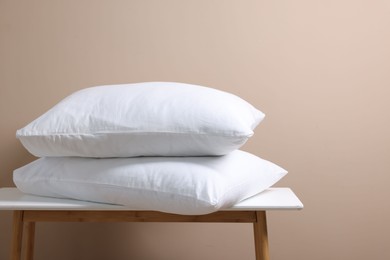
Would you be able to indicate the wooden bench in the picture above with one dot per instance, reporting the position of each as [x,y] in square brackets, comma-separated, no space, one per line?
[29,209]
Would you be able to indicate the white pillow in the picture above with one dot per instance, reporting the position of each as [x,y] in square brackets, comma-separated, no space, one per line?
[144,119]
[182,185]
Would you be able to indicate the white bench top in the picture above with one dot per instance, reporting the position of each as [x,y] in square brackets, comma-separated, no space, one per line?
[13,199]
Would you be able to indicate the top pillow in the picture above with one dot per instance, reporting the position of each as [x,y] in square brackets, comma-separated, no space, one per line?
[143,119]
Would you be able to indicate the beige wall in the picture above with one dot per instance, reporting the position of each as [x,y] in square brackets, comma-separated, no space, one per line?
[320,70]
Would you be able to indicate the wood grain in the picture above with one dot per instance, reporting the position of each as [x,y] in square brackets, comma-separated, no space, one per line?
[261,236]
[136,216]
[17,231]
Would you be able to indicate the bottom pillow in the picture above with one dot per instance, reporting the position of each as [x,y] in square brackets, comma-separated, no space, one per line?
[181,185]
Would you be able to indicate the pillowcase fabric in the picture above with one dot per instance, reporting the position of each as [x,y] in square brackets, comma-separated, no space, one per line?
[181,185]
[142,119]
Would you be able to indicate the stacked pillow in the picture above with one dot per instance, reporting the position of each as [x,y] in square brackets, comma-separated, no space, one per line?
[163,146]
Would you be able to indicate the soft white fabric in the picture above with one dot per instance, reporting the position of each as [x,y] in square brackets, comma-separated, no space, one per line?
[182,185]
[143,119]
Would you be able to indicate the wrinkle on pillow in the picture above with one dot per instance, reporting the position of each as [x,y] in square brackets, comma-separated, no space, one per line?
[181,185]
[142,119]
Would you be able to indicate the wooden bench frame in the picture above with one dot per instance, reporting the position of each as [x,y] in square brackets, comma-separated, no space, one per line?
[30,209]
[24,224]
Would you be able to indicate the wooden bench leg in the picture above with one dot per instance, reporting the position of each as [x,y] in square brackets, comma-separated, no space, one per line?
[29,242]
[17,233]
[261,236]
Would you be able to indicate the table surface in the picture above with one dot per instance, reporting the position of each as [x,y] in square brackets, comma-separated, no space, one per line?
[270,199]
